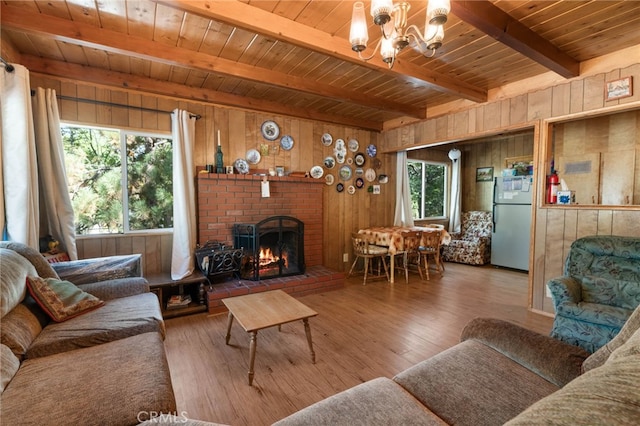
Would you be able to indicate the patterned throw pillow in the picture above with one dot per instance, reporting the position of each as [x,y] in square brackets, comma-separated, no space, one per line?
[61,300]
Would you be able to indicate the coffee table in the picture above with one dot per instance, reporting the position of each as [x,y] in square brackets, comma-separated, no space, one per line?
[257,311]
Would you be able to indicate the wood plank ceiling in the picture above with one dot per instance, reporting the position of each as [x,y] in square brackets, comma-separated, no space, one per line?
[294,58]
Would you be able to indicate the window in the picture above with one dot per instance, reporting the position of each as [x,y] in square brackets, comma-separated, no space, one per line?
[428,183]
[119,181]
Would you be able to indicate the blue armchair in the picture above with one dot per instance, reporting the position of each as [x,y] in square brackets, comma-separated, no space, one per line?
[598,292]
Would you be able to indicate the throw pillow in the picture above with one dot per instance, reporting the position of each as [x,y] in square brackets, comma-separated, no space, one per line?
[61,300]
[601,355]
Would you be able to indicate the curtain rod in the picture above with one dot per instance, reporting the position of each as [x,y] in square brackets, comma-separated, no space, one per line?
[7,66]
[93,101]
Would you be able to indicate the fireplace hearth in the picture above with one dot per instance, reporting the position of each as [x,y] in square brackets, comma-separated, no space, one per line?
[273,247]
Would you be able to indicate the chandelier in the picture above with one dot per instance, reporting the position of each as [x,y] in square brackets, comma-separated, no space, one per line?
[396,35]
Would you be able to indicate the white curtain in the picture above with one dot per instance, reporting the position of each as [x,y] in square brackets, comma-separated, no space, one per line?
[404,215]
[19,172]
[454,207]
[184,195]
[56,211]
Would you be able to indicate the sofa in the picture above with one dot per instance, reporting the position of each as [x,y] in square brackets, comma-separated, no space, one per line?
[598,291]
[98,360]
[500,373]
[472,244]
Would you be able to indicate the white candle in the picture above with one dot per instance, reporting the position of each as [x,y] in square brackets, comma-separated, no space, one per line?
[218,137]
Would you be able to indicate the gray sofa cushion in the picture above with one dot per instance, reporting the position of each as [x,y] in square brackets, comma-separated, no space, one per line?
[117,383]
[376,402]
[473,384]
[13,279]
[606,395]
[117,319]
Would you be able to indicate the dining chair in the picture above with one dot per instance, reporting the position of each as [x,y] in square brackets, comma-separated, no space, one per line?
[364,248]
[409,255]
[431,247]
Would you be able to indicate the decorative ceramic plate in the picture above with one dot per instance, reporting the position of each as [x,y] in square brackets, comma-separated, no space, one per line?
[351,189]
[341,145]
[340,157]
[370,175]
[327,139]
[377,163]
[329,162]
[316,172]
[353,145]
[359,159]
[359,183]
[359,172]
[349,161]
[270,130]
[383,178]
[328,179]
[345,172]
[339,187]
[241,166]
[286,142]
[372,150]
[253,156]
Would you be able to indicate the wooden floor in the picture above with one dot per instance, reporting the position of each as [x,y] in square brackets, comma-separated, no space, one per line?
[361,332]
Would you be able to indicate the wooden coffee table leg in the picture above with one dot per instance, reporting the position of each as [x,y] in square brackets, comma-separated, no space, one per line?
[307,331]
[229,322]
[252,354]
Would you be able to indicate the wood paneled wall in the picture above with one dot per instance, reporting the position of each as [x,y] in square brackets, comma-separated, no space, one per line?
[240,131]
[554,227]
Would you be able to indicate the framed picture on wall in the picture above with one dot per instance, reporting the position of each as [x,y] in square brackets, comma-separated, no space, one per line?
[484,174]
[620,88]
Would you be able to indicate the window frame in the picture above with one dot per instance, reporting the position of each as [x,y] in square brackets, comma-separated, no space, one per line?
[123,133]
[445,196]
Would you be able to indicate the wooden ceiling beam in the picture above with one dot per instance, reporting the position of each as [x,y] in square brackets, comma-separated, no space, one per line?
[116,42]
[254,19]
[75,73]
[499,25]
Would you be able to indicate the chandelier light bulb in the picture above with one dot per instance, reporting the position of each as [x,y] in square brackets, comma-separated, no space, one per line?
[358,34]
[455,154]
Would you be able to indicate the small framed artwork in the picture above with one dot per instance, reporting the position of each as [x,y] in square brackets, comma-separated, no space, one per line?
[376,189]
[617,89]
[280,170]
[229,170]
[484,174]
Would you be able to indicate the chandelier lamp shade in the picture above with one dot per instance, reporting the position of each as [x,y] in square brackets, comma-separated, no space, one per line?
[396,35]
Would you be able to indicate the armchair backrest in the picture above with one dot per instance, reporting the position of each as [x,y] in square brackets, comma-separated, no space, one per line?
[475,224]
[608,267]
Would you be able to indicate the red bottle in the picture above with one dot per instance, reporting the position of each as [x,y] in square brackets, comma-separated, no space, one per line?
[553,182]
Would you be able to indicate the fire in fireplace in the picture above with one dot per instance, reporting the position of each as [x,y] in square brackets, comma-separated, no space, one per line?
[273,247]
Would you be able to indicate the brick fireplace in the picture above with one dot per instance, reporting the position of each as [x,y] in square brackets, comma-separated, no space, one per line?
[225,200]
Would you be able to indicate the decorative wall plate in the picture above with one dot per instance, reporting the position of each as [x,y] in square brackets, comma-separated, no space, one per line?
[377,163]
[359,159]
[359,183]
[270,130]
[241,166]
[286,142]
[370,175]
[372,150]
[328,179]
[253,156]
[339,187]
[345,172]
[351,189]
[329,162]
[327,139]
[383,178]
[353,145]
[340,157]
[317,172]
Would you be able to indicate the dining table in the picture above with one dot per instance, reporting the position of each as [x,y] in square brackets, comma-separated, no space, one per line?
[391,237]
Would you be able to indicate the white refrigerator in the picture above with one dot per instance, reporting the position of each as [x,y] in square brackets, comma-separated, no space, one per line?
[511,222]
